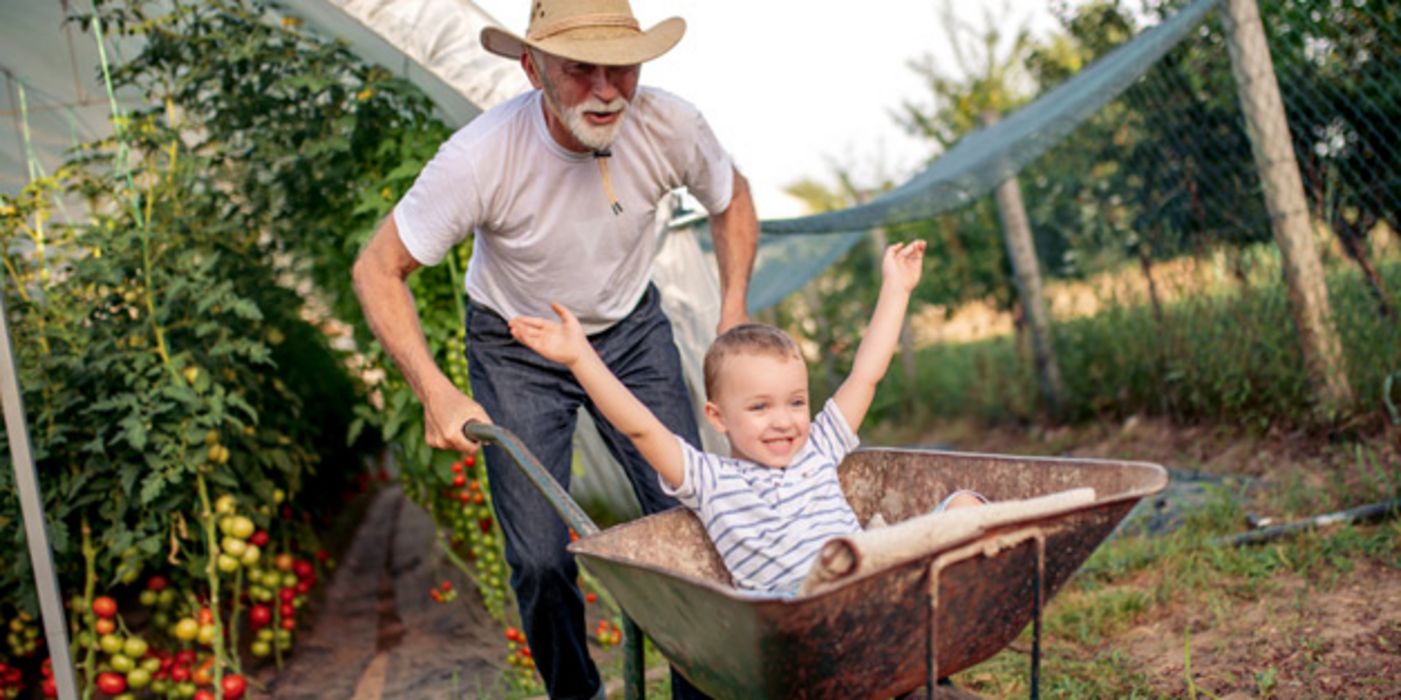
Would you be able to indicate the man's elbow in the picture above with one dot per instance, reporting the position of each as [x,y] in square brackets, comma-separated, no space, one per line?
[361,271]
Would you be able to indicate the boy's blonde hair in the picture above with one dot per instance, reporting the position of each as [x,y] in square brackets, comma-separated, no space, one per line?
[753,338]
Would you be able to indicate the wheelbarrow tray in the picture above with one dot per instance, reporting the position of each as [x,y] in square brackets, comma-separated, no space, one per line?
[871,636]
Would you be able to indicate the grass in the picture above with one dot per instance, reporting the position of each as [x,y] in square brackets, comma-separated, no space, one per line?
[1229,356]
[1182,582]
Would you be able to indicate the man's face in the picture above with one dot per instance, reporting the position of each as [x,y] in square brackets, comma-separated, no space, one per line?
[761,405]
[585,103]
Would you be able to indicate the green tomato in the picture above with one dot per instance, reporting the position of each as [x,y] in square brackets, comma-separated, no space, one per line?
[186,629]
[139,678]
[165,598]
[251,555]
[242,527]
[227,564]
[148,598]
[225,505]
[135,647]
[121,663]
[260,648]
[151,664]
[110,644]
[233,546]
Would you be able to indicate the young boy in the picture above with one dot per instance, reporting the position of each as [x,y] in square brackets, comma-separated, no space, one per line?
[771,504]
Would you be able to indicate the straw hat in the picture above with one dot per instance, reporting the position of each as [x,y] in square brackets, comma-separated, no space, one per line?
[602,32]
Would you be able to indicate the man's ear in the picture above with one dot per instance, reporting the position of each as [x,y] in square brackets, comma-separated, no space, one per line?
[531,70]
[712,415]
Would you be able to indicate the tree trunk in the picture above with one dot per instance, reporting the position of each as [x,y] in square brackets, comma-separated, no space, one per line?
[1145,263]
[1284,199]
[1016,231]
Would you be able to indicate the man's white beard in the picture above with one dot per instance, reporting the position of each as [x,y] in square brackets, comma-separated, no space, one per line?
[595,137]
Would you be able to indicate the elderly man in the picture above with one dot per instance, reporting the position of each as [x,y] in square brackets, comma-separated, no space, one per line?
[560,187]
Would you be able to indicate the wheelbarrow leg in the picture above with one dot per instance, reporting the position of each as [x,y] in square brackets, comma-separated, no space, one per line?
[1036,620]
[635,687]
[931,636]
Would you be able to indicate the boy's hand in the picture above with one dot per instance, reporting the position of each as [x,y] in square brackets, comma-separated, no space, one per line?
[562,342]
[902,264]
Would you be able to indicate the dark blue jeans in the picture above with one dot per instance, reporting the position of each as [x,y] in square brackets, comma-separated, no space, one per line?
[537,399]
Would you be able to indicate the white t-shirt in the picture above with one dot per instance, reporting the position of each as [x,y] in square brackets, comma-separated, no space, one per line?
[770,524]
[545,228]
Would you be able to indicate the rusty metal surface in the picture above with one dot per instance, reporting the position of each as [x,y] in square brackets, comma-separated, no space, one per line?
[868,637]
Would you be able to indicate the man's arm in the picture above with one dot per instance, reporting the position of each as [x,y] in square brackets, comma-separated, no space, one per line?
[380,279]
[900,271]
[736,235]
[565,343]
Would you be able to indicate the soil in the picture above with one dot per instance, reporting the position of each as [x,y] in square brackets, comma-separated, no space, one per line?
[1337,637]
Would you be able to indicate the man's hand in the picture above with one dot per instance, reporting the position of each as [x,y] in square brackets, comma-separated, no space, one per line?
[444,414]
[562,342]
[902,265]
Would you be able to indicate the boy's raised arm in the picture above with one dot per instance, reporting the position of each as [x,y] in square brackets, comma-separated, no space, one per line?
[565,343]
[900,270]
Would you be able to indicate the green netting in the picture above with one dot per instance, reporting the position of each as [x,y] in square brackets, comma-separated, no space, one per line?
[987,157]
[793,251]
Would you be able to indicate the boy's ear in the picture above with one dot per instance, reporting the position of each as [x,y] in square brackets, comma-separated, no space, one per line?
[712,415]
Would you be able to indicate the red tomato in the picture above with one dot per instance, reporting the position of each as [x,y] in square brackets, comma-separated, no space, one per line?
[104,607]
[259,615]
[234,685]
[204,694]
[259,538]
[111,683]
[157,583]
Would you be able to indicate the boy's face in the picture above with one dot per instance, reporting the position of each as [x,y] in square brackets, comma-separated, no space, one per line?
[761,405]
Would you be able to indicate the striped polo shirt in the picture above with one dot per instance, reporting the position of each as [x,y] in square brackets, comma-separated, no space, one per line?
[769,524]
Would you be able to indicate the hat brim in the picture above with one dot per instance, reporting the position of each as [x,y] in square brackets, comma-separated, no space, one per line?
[604,46]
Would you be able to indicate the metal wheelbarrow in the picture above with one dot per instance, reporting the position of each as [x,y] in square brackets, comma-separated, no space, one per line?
[876,635]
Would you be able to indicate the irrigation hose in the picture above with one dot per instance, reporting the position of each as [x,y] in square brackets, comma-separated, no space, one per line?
[1374,511]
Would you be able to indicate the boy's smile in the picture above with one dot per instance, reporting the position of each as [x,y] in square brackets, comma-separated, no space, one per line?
[762,407]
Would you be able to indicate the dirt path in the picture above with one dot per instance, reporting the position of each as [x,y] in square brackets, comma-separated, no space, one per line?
[377,634]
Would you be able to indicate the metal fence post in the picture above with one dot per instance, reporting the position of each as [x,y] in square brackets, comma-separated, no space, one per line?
[32,506]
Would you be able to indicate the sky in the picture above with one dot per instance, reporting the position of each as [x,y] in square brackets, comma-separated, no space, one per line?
[794,88]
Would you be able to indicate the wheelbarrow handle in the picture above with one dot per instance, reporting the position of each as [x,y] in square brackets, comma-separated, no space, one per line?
[559,499]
